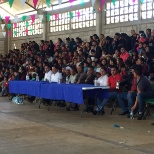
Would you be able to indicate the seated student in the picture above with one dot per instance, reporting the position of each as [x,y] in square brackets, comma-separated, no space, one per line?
[103,79]
[113,82]
[48,73]
[130,84]
[144,91]
[56,76]
[73,75]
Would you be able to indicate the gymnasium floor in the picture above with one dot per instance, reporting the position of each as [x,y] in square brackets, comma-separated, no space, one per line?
[25,129]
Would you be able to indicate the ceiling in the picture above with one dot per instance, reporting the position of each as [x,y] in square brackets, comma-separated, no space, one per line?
[28,7]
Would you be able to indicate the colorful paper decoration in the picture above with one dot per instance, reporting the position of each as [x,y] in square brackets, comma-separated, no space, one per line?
[26,31]
[22,3]
[35,3]
[71,1]
[92,2]
[103,3]
[7,19]
[48,3]
[78,14]
[11,2]
[59,2]
[15,33]
[27,24]
[71,15]
[33,18]
[31,30]
[15,25]
[41,17]
[0,17]
[9,26]
[9,33]
[24,18]
[113,1]
[4,34]
[56,16]
[142,1]
[48,17]
[82,3]
[2,25]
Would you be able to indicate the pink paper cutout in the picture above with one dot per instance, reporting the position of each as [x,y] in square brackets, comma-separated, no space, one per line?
[103,2]
[56,16]
[7,19]
[33,18]
[133,1]
[9,33]
[26,31]
[15,25]
[35,3]
[78,13]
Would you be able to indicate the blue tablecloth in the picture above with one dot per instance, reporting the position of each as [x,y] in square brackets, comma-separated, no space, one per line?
[31,88]
[68,92]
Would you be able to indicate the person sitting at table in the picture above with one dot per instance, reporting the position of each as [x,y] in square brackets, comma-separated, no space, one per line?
[113,83]
[80,79]
[103,79]
[81,76]
[48,73]
[73,75]
[55,76]
[66,74]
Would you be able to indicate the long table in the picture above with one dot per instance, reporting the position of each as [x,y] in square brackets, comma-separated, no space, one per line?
[68,92]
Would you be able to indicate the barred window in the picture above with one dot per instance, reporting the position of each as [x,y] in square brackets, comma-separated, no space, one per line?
[83,18]
[59,22]
[33,28]
[147,9]
[122,11]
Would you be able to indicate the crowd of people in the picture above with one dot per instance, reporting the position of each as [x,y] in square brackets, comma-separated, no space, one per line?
[124,63]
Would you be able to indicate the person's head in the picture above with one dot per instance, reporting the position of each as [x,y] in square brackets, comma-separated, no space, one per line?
[93,53]
[94,43]
[73,71]
[147,49]
[117,36]
[117,53]
[114,70]
[140,45]
[46,68]
[123,50]
[137,72]
[90,70]
[104,62]
[89,60]
[113,61]
[15,73]
[54,69]
[80,69]
[67,70]
[133,32]
[103,71]
[87,45]
[102,36]
[140,61]
[148,31]
[120,62]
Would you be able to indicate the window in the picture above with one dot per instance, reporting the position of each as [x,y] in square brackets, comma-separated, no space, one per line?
[147,9]
[122,11]
[83,18]
[80,19]
[33,28]
[59,22]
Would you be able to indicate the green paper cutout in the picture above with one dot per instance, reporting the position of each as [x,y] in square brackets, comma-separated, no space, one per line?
[71,15]
[24,18]
[27,23]
[0,17]
[31,30]
[94,10]
[11,3]
[142,1]
[82,3]
[15,33]
[48,3]
[48,17]
[113,1]
[8,26]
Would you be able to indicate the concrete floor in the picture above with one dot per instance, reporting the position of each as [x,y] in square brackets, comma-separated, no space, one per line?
[25,129]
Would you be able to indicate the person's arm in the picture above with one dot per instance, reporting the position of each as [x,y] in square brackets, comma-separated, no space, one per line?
[136,101]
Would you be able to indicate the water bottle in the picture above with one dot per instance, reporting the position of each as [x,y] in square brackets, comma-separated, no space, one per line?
[58,81]
[27,77]
[117,85]
[67,82]
[95,82]
[131,115]
[37,78]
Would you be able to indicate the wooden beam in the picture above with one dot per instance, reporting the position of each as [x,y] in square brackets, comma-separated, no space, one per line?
[31,6]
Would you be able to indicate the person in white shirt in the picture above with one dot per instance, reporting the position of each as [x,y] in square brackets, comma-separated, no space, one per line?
[56,76]
[73,75]
[103,80]
[48,73]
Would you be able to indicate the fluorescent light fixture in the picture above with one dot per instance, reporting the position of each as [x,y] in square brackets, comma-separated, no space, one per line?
[56,7]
